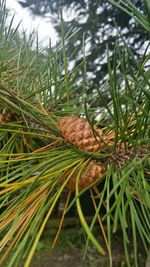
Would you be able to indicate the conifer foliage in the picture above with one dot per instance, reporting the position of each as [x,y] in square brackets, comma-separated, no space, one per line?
[53,139]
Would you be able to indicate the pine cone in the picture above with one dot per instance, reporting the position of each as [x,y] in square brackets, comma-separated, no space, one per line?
[78,132]
[93,173]
[124,154]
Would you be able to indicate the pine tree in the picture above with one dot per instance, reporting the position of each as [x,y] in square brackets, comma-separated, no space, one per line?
[95,20]
[51,141]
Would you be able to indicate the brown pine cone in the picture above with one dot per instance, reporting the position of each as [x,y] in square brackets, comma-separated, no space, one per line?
[78,132]
[93,173]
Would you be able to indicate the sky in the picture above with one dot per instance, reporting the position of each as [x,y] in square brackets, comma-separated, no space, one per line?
[30,23]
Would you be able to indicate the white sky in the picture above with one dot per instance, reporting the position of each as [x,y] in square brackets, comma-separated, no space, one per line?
[30,22]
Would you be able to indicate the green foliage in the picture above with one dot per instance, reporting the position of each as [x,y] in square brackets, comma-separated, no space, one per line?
[95,19]
[35,92]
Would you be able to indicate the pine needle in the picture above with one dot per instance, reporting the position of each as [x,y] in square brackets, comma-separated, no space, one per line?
[62,219]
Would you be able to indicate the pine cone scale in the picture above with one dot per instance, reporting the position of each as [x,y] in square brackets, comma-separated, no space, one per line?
[90,174]
[78,132]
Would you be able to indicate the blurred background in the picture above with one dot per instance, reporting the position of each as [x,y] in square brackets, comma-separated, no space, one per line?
[97,22]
